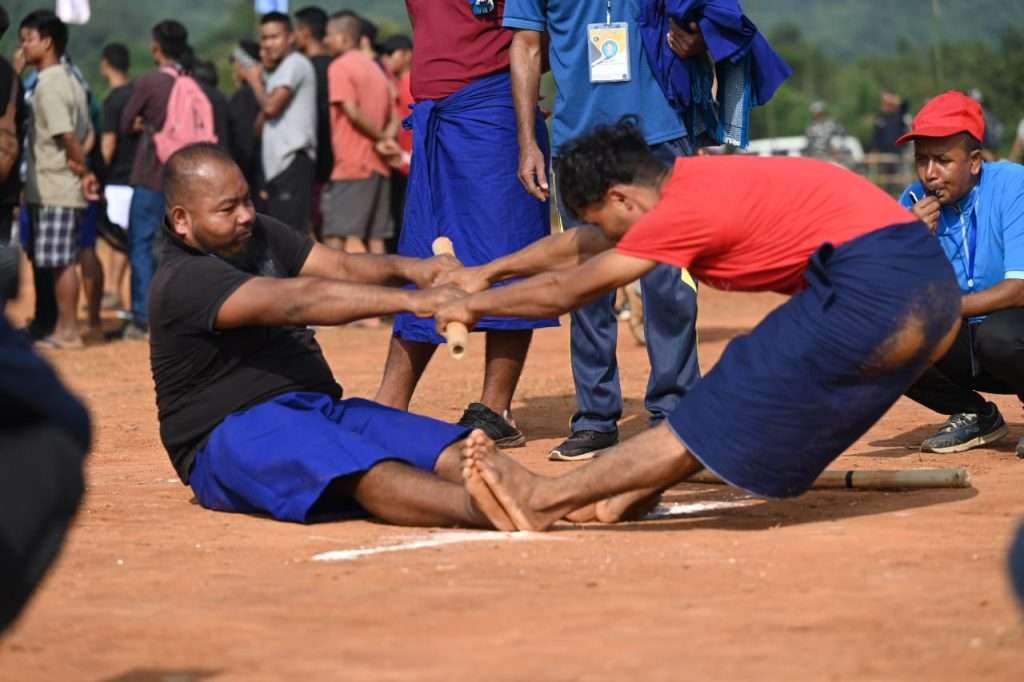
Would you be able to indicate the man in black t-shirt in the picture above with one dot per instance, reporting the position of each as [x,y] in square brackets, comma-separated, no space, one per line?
[249,411]
[310,29]
[118,153]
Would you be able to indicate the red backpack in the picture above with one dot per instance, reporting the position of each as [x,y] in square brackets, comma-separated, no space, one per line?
[189,117]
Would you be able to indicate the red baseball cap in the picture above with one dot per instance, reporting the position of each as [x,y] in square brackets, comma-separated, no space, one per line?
[948,114]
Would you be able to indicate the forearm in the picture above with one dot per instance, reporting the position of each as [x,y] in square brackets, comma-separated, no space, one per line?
[380,270]
[546,295]
[316,301]
[75,152]
[1007,294]
[361,123]
[108,146]
[525,56]
[557,252]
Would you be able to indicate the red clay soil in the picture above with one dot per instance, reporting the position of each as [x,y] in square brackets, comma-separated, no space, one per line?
[847,585]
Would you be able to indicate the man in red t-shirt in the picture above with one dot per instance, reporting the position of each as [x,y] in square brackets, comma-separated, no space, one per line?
[874,302]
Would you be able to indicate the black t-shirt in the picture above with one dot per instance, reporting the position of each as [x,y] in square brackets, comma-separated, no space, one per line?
[120,170]
[10,189]
[324,150]
[202,375]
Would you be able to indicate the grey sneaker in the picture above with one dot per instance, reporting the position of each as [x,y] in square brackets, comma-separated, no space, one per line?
[1020,447]
[967,430]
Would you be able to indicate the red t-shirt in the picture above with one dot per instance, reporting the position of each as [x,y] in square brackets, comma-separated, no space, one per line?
[751,224]
[454,47]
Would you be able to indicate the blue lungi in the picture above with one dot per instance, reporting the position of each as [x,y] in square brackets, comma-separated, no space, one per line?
[787,399]
[278,457]
[463,185]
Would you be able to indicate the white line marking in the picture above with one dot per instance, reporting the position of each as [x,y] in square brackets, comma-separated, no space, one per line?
[669,511]
[435,540]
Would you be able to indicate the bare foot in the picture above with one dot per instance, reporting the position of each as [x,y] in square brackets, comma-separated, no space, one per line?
[482,496]
[512,484]
[629,506]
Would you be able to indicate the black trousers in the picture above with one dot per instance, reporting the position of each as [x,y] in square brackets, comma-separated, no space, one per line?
[290,193]
[40,485]
[987,357]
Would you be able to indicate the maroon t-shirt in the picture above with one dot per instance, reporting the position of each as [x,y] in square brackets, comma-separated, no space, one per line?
[149,100]
[454,47]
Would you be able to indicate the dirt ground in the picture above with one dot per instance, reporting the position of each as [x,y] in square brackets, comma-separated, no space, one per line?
[845,585]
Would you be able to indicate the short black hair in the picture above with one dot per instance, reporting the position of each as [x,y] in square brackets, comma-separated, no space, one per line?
[348,22]
[205,72]
[172,38]
[970,142]
[395,43]
[589,165]
[314,19]
[5,21]
[117,56]
[360,22]
[277,18]
[48,25]
[182,165]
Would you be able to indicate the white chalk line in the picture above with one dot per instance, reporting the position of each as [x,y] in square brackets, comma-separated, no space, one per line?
[677,509]
[435,540]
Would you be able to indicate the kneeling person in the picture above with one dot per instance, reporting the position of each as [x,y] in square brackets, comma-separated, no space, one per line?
[976,211]
[874,302]
[249,411]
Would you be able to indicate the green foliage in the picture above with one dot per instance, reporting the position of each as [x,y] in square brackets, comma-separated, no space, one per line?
[851,86]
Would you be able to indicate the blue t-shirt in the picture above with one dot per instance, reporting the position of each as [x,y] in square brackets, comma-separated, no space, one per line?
[994,212]
[580,105]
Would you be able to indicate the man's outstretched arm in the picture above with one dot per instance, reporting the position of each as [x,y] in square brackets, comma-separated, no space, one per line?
[558,252]
[272,301]
[549,294]
[366,268]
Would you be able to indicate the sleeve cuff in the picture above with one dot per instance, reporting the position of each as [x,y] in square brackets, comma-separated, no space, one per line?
[524,24]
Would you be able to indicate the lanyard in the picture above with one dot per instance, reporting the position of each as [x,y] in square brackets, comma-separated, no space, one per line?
[609,13]
[969,235]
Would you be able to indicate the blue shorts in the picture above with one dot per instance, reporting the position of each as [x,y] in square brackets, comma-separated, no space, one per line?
[278,457]
[87,228]
[787,399]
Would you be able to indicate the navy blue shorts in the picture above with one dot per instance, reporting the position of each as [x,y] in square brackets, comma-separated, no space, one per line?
[278,457]
[787,399]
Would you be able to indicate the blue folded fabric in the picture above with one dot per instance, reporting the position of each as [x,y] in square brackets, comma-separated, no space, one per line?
[749,71]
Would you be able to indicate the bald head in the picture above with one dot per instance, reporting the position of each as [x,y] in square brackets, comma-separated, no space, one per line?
[208,203]
[192,169]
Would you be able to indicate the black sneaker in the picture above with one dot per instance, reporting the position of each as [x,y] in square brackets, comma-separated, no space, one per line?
[1020,447]
[499,427]
[967,430]
[583,445]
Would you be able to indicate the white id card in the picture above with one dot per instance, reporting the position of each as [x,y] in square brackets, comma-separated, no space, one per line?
[608,46]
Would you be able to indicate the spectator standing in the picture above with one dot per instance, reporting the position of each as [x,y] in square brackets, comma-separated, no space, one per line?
[669,295]
[13,117]
[357,204]
[118,151]
[823,134]
[144,115]
[889,125]
[462,185]
[205,73]
[57,178]
[396,58]
[285,87]
[310,31]
[243,110]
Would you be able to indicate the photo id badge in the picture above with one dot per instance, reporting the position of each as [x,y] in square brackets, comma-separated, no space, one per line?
[609,52]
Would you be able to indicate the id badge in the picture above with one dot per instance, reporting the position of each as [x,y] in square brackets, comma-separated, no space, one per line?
[609,52]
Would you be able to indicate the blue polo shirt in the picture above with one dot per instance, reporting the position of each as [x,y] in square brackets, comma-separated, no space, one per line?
[580,105]
[991,217]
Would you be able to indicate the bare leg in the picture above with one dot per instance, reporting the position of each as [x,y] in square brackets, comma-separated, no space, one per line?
[376,246]
[640,466]
[66,279]
[506,355]
[354,245]
[403,495]
[92,282]
[405,365]
[335,243]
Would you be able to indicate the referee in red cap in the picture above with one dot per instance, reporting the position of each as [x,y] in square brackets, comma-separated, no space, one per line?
[976,211]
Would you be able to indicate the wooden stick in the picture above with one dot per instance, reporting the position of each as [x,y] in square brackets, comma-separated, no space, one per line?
[456,332]
[900,479]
